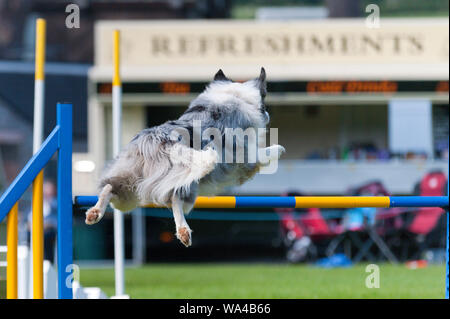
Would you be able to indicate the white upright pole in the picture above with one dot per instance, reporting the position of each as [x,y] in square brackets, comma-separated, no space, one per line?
[38,122]
[138,229]
[119,255]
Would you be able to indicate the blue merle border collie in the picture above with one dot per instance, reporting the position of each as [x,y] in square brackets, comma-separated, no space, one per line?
[156,167]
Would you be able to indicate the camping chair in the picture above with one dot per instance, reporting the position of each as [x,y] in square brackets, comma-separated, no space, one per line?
[317,227]
[310,224]
[420,223]
[361,228]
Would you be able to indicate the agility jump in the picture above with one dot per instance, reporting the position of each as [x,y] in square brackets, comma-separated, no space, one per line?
[301,201]
[60,141]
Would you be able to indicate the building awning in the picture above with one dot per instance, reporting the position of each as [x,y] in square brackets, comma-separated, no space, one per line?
[437,71]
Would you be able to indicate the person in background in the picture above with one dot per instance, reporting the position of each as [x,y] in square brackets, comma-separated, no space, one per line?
[50,212]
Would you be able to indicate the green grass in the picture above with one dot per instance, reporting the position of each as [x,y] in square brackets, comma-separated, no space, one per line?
[269,281]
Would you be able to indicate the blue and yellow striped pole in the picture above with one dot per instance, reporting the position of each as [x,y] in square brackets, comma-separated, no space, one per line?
[302,201]
[318,201]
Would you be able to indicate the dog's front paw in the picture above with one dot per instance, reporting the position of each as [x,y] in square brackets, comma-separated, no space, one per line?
[93,216]
[274,152]
[279,150]
[184,235]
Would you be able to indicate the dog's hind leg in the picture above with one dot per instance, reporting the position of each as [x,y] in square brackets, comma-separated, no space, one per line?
[94,214]
[183,231]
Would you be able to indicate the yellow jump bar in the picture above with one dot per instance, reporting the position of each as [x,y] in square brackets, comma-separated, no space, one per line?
[340,201]
[298,202]
[302,201]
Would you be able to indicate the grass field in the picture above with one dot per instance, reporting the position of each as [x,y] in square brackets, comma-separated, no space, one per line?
[269,281]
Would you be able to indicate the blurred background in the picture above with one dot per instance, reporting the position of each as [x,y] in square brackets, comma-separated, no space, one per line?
[361,109]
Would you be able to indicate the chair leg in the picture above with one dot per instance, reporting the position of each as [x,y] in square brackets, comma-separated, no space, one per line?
[348,249]
[421,246]
[405,250]
[382,246]
[333,245]
[363,251]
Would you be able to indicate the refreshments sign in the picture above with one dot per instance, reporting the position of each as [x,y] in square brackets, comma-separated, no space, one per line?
[181,42]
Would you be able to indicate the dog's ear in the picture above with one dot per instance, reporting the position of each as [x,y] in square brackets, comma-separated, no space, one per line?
[262,83]
[220,76]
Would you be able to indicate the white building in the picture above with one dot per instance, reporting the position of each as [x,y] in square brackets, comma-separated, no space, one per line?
[333,84]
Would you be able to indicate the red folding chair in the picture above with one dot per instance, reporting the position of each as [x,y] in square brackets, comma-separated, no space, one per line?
[421,222]
[309,229]
[317,227]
